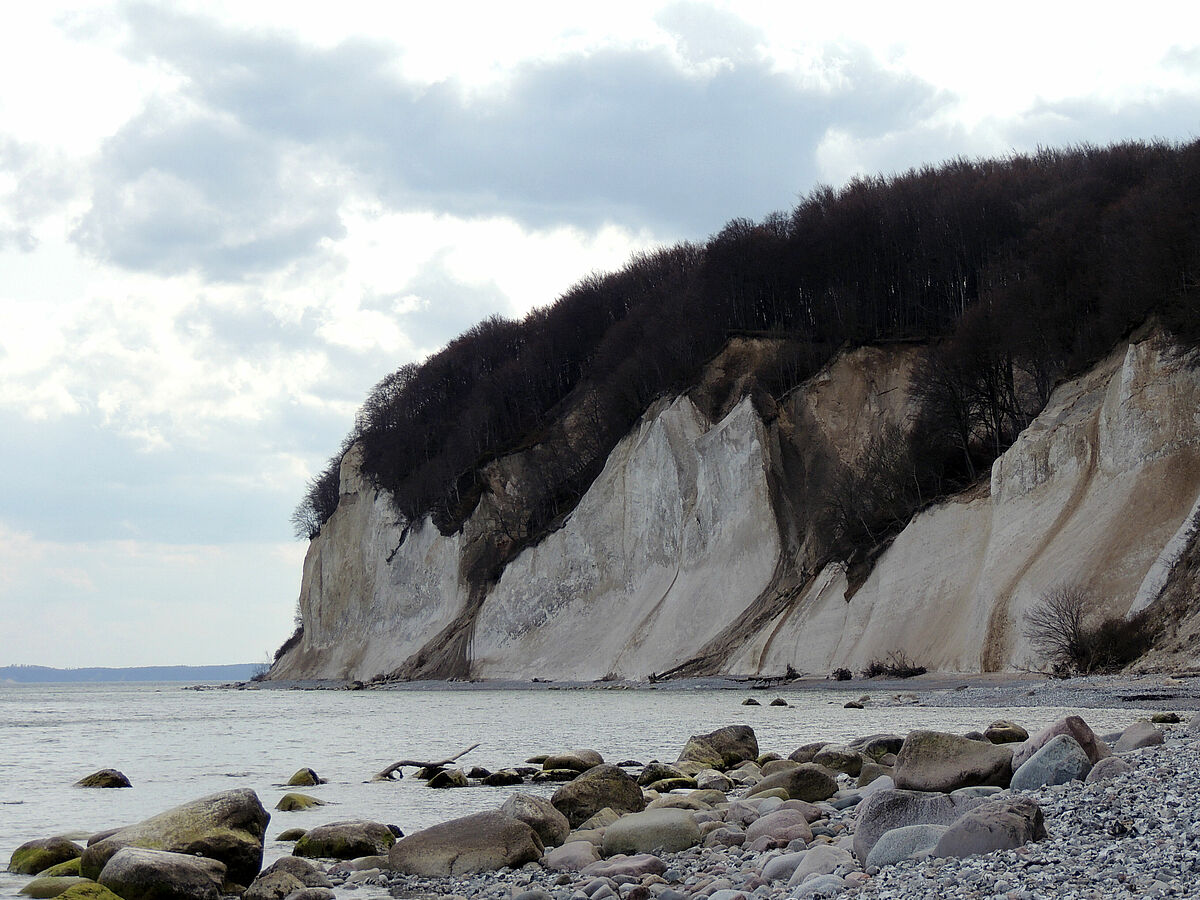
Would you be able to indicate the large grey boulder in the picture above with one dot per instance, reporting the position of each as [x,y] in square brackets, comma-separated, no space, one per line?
[877,745]
[781,826]
[1106,769]
[476,843]
[37,856]
[595,789]
[227,827]
[576,760]
[904,843]
[1000,824]
[345,840]
[1138,735]
[881,812]
[938,761]
[283,877]
[539,814]
[134,873]
[571,856]
[808,782]
[723,748]
[655,830]
[1072,725]
[1059,761]
[839,759]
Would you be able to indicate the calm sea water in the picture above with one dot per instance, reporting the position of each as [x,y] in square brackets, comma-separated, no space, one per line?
[176,745]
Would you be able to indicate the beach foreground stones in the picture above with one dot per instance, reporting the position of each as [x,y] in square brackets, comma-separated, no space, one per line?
[476,843]
[38,855]
[134,873]
[228,826]
[937,761]
[598,788]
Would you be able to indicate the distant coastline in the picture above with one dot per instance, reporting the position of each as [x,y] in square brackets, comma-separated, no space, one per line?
[46,674]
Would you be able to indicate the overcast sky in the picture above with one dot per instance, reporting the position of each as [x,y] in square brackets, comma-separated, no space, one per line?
[222,222]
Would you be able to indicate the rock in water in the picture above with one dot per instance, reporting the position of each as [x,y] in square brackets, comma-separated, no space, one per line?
[45,887]
[345,840]
[594,790]
[937,761]
[89,891]
[723,748]
[134,873]
[295,802]
[477,843]
[105,778]
[33,857]
[227,827]
[305,777]
[539,814]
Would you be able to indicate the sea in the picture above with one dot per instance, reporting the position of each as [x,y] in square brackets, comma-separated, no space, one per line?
[177,743]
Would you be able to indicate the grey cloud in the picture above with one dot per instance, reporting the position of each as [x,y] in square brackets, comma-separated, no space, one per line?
[42,184]
[620,136]
[1170,116]
[705,33]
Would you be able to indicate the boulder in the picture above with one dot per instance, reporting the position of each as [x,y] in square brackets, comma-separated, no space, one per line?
[875,785]
[839,759]
[33,857]
[872,770]
[105,778]
[1072,725]
[47,886]
[807,781]
[750,701]
[782,826]
[291,834]
[805,752]
[1002,731]
[284,877]
[1059,761]
[69,867]
[1193,725]
[885,810]
[637,866]
[448,778]
[595,789]
[88,891]
[1138,735]
[723,748]
[296,802]
[655,830]
[876,745]
[904,843]
[571,856]
[577,760]
[672,784]
[1106,769]
[1000,824]
[777,765]
[305,778]
[1165,718]
[345,840]
[601,818]
[228,827]
[539,814]
[476,843]
[134,873]
[820,886]
[312,894]
[822,859]
[503,778]
[778,701]
[937,761]
[712,780]
[656,771]
[780,868]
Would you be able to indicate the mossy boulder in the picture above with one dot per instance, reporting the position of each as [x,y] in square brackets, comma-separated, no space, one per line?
[69,867]
[305,777]
[807,781]
[88,891]
[284,877]
[723,748]
[296,802]
[449,778]
[539,814]
[345,840]
[105,778]
[134,873]
[1005,731]
[291,834]
[46,886]
[478,843]
[579,760]
[36,856]
[228,826]
[656,771]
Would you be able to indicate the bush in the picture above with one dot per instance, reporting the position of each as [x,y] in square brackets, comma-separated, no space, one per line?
[897,665]
[1057,629]
[842,675]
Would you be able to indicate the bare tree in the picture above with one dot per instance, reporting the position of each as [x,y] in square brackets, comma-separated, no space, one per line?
[1055,628]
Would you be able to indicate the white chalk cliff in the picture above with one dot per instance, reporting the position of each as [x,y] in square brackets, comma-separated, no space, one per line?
[694,545]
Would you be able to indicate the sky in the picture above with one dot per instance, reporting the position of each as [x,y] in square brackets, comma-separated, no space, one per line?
[222,222]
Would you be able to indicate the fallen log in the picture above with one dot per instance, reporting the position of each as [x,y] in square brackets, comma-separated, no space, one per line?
[391,771]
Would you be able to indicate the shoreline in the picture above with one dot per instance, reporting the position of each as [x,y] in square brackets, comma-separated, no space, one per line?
[1155,692]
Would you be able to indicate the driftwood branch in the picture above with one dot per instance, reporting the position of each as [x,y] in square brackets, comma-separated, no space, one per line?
[388,773]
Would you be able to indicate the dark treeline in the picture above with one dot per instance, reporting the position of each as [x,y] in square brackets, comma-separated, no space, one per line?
[1019,271]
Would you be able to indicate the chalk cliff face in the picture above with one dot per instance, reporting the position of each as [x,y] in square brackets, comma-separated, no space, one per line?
[697,547]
